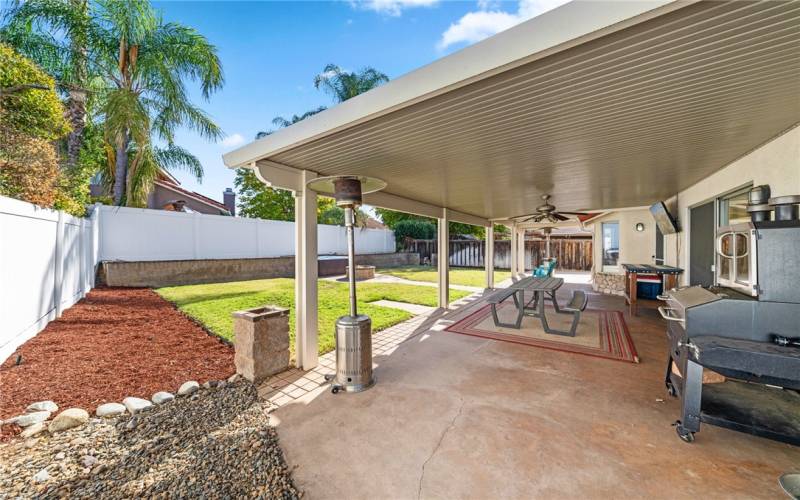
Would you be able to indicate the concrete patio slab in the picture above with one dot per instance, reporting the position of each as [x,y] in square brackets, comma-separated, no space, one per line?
[454,416]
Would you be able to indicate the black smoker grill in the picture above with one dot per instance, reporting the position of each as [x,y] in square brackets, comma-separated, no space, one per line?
[733,332]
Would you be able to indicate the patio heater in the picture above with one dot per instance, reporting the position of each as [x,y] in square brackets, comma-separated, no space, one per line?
[547,230]
[353,331]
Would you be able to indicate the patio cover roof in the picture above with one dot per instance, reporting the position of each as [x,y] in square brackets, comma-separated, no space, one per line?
[602,104]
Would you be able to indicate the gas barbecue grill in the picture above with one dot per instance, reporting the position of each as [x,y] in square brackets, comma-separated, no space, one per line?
[732,331]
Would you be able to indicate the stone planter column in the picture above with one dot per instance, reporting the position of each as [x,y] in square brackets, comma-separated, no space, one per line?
[261,342]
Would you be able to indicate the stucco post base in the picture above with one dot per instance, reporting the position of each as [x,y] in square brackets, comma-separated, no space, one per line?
[261,342]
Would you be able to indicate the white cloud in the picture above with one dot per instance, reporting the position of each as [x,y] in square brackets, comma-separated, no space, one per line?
[233,140]
[391,7]
[488,20]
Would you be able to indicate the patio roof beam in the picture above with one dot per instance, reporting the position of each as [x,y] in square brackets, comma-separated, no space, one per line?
[284,177]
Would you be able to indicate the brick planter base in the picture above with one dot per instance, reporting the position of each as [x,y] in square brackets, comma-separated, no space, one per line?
[362,272]
[261,342]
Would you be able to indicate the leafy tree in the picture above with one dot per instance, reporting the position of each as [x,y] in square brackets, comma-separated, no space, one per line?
[416,229]
[260,201]
[343,85]
[28,103]
[392,219]
[136,68]
[31,117]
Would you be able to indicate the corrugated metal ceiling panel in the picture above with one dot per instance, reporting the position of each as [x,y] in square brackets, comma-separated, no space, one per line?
[624,120]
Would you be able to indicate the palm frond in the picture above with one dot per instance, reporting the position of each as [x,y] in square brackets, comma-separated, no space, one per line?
[343,85]
[174,157]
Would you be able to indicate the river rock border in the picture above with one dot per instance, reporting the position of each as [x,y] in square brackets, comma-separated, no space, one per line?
[34,420]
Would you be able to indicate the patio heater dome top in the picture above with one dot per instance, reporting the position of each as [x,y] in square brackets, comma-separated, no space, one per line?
[346,189]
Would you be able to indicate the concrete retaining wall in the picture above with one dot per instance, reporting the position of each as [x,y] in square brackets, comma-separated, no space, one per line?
[191,272]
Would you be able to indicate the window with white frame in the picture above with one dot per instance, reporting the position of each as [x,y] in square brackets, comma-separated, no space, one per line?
[732,208]
[610,231]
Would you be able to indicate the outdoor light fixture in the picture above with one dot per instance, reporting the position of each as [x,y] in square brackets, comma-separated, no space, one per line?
[639,227]
[354,331]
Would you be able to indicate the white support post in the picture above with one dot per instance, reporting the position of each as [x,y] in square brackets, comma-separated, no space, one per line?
[521,252]
[488,256]
[443,259]
[306,331]
[514,251]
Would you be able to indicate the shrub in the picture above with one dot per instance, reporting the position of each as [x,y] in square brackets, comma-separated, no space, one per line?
[37,112]
[414,229]
[28,168]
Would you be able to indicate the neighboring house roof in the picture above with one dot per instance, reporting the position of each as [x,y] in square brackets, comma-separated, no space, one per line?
[374,224]
[173,186]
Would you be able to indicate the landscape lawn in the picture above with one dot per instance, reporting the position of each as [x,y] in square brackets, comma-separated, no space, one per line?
[212,304]
[458,275]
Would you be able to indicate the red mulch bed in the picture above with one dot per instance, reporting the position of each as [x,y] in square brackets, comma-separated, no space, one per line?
[116,342]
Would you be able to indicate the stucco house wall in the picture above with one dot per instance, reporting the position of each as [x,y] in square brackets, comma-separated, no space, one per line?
[776,163]
[635,247]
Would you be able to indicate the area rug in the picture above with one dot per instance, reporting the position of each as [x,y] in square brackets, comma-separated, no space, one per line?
[600,333]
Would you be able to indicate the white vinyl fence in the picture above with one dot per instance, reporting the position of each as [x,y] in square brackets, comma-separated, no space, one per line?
[47,262]
[138,234]
[48,258]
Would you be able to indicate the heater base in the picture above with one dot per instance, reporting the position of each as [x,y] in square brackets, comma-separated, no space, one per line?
[336,387]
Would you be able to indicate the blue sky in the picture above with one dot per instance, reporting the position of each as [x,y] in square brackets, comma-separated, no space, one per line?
[271,52]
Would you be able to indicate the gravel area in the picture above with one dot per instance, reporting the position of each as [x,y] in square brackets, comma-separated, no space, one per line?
[216,443]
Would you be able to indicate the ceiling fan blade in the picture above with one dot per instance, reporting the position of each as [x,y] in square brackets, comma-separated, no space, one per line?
[559,217]
[573,213]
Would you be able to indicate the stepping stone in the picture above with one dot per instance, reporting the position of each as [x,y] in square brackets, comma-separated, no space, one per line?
[42,406]
[68,419]
[135,405]
[188,388]
[28,419]
[110,410]
[162,397]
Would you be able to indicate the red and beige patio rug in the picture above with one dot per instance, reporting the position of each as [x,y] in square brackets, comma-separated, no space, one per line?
[600,333]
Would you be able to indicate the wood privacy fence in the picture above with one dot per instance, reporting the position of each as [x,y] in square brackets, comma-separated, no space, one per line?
[572,254]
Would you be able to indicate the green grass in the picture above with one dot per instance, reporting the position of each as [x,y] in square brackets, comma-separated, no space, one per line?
[458,275]
[212,304]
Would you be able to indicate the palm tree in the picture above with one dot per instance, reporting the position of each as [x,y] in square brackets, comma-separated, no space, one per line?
[342,85]
[136,69]
[54,34]
[144,94]
[282,122]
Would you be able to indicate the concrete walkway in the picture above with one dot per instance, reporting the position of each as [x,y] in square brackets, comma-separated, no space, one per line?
[414,309]
[387,278]
[453,416]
